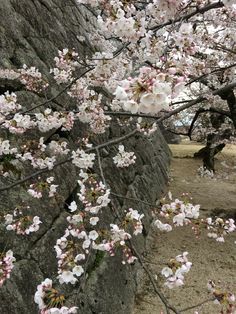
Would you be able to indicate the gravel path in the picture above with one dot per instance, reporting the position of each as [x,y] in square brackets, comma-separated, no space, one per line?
[211,260]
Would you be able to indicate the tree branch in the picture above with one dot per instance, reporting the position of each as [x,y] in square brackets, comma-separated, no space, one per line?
[214,71]
[188,16]
[189,104]
[37,173]
[202,110]
[197,101]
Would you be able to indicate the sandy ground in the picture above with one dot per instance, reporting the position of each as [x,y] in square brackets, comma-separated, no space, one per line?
[211,260]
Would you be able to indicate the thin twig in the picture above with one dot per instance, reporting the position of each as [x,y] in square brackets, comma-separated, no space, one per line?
[188,16]
[52,99]
[177,110]
[100,167]
[134,199]
[153,282]
[213,71]
[161,296]
[196,101]
[60,93]
[197,305]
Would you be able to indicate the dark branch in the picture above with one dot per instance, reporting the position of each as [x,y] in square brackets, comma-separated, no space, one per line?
[198,10]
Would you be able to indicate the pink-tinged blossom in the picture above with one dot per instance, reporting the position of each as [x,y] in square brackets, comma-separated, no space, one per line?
[179,219]
[52,190]
[175,271]
[79,257]
[21,224]
[50,301]
[219,228]
[6,265]
[134,216]
[222,296]
[131,105]
[34,193]
[167,272]
[93,194]
[93,235]
[67,276]
[66,63]
[32,79]
[120,93]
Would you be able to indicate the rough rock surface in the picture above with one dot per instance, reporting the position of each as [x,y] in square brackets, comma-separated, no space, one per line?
[170,137]
[31,33]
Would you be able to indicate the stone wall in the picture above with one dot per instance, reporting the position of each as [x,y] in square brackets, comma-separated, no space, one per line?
[31,33]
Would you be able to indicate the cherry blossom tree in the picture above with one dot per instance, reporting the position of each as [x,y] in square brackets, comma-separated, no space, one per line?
[155,62]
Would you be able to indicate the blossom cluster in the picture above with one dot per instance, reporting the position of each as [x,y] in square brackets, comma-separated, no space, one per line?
[8,104]
[9,74]
[46,121]
[6,265]
[90,107]
[36,189]
[66,63]
[218,228]
[119,235]
[203,172]
[124,159]
[41,156]
[146,128]
[93,194]
[22,224]
[76,242]
[82,160]
[29,76]
[150,92]
[175,270]
[180,211]
[134,217]
[32,79]
[83,233]
[222,297]
[5,148]
[50,301]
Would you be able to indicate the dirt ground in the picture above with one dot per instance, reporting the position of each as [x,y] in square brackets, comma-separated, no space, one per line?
[211,260]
